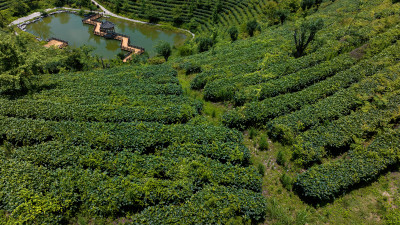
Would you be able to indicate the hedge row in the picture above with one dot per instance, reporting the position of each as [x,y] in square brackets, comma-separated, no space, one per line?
[194,167]
[213,205]
[340,104]
[121,80]
[323,183]
[303,78]
[337,136]
[91,191]
[216,90]
[223,90]
[140,136]
[167,113]
[259,113]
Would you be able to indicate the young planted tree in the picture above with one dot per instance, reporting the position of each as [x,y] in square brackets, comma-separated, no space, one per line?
[2,21]
[152,15]
[308,4]
[204,43]
[164,49]
[305,34]
[233,33]
[178,18]
[251,27]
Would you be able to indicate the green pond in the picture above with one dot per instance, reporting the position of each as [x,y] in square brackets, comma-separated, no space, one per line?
[69,27]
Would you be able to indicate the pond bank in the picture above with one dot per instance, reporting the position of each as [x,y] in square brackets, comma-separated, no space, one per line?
[37,16]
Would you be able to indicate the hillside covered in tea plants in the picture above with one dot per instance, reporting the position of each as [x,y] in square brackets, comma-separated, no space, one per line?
[277,112]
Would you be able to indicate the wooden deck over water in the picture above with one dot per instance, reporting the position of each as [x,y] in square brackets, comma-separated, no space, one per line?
[125,40]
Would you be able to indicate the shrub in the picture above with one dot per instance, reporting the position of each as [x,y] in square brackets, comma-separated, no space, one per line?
[252,26]
[287,181]
[281,158]
[204,44]
[261,169]
[263,143]
[305,34]
[252,133]
[163,49]
[233,33]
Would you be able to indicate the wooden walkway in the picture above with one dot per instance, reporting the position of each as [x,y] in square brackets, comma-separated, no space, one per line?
[125,40]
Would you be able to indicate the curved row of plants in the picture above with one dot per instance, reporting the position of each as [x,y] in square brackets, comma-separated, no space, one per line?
[323,183]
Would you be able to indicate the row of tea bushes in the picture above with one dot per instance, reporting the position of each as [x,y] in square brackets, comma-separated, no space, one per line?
[260,113]
[335,137]
[323,183]
[340,104]
[194,167]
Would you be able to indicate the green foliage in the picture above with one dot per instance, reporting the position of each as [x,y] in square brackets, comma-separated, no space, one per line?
[152,15]
[263,143]
[252,133]
[252,26]
[204,44]
[163,48]
[259,113]
[84,144]
[190,68]
[233,33]
[287,181]
[43,13]
[334,137]
[185,50]
[323,183]
[305,33]
[261,169]
[281,158]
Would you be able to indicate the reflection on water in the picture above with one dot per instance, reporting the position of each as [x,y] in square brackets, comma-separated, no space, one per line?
[69,27]
[41,29]
[65,18]
[113,45]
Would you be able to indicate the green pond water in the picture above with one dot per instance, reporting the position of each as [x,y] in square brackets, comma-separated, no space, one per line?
[69,27]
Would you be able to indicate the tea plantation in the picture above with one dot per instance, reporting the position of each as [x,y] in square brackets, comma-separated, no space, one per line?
[334,111]
[117,143]
[277,112]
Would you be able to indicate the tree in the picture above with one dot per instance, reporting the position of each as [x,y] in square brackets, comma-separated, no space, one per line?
[164,49]
[177,16]
[118,6]
[59,3]
[233,33]
[305,34]
[2,21]
[204,44]
[152,15]
[74,61]
[251,27]
[308,4]
[19,8]
[282,14]
[9,57]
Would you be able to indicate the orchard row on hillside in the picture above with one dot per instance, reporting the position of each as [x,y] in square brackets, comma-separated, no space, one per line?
[341,94]
[114,143]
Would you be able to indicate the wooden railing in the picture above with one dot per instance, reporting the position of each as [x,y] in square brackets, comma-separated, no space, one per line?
[92,20]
